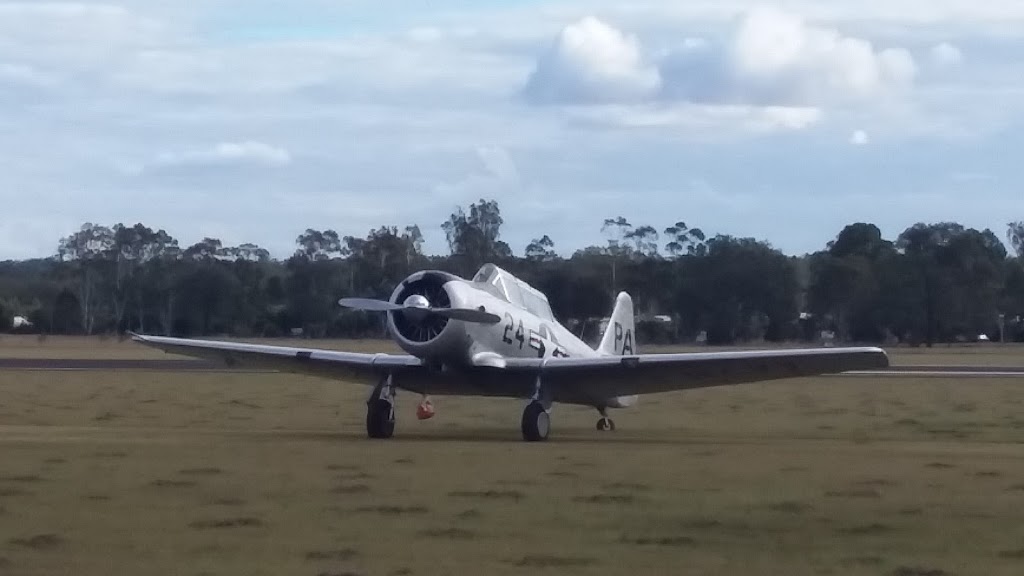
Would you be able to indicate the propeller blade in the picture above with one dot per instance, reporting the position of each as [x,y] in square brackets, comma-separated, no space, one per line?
[369,304]
[467,315]
[463,314]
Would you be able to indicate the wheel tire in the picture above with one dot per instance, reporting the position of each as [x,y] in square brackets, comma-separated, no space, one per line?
[536,423]
[380,419]
[605,424]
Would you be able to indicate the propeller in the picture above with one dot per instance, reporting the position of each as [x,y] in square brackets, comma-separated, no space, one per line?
[417,308]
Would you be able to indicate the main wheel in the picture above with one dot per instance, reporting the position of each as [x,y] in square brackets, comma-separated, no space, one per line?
[536,422]
[380,419]
[605,424]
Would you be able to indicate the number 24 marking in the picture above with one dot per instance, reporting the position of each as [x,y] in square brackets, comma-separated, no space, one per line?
[536,342]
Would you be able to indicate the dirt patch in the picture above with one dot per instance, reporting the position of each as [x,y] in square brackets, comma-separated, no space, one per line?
[39,542]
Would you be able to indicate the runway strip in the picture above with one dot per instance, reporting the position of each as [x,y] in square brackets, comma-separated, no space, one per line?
[93,364]
[938,372]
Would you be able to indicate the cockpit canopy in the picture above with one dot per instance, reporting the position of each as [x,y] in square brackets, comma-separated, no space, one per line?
[513,290]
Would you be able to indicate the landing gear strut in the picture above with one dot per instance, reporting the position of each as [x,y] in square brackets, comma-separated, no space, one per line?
[380,410]
[605,424]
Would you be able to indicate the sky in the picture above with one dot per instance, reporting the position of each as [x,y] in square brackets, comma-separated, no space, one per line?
[252,120]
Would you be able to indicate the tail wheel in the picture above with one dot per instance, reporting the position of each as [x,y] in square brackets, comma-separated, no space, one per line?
[536,423]
[605,424]
[380,419]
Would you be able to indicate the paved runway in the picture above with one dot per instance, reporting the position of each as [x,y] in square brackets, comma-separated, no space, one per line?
[942,372]
[45,364]
[93,364]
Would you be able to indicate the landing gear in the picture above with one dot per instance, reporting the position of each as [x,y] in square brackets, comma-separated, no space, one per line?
[380,410]
[380,419]
[605,424]
[536,422]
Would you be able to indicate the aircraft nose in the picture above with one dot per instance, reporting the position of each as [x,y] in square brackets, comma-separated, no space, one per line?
[417,301]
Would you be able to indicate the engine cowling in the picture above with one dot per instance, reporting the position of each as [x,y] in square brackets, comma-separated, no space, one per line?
[426,335]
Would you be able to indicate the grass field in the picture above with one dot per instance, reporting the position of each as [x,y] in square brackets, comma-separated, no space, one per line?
[210,473]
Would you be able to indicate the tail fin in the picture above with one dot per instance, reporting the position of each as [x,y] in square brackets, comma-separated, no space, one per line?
[620,336]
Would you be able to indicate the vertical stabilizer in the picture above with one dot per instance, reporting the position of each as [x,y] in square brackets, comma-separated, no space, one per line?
[619,336]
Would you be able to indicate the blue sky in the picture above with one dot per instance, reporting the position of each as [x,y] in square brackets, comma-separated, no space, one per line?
[251,121]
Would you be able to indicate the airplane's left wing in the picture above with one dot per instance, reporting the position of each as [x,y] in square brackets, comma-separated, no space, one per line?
[588,380]
[356,366]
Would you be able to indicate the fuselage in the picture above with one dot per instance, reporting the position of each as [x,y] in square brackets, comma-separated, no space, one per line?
[520,334]
[455,345]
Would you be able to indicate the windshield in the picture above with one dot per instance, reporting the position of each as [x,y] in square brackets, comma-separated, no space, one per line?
[512,290]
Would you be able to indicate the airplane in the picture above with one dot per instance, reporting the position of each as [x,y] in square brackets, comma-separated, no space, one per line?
[495,335]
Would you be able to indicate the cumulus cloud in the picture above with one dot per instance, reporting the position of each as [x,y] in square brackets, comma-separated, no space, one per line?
[859,138]
[945,54]
[592,62]
[222,154]
[771,58]
[780,58]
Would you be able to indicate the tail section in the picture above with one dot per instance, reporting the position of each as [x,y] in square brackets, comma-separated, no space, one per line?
[620,336]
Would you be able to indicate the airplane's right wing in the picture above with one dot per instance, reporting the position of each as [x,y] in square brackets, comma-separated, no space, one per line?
[586,380]
[355,366]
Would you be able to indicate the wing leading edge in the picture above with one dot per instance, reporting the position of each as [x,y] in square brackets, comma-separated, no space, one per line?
[328,363]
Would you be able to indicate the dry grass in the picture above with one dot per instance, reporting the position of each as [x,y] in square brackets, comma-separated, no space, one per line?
[820,476]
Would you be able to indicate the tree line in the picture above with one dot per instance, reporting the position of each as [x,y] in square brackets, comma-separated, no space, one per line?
[938,282]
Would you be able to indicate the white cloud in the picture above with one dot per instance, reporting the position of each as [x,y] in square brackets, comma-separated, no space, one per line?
[223,154]
[777,58]
[592,62]
[697,118]
[771,58]
[859,138]
[945,54]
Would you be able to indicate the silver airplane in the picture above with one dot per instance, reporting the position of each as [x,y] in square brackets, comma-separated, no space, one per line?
[495,335]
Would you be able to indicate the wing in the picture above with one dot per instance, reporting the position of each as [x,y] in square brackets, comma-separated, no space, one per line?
[329,363]
[590,380]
